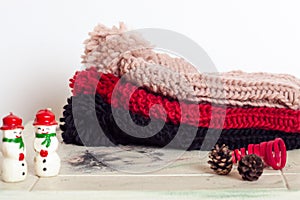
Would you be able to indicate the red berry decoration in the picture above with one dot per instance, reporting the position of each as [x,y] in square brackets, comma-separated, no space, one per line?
[44,153]
[21,156]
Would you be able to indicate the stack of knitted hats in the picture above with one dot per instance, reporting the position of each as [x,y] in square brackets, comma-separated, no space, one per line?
[126,80]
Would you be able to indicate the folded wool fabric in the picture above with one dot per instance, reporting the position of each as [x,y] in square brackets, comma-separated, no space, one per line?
[233,88]
[84,130]
[125,74]
[119,52]
[142,100]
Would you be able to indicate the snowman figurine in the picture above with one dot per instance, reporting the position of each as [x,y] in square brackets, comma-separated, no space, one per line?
[14,166]
[46,161]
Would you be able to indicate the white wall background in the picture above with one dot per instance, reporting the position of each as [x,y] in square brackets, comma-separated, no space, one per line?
[41,41]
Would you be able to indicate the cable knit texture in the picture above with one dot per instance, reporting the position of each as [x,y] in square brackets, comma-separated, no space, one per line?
[119,52]
[142,100]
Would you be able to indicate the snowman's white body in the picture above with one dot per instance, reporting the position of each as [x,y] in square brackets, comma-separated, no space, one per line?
[50,165]
[13,170]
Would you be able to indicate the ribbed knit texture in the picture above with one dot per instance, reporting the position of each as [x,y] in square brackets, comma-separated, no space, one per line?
[232,108]
[83,130]
[118,52]
[141,101]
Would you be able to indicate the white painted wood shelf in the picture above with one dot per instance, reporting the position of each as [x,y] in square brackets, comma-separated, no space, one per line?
[131,172]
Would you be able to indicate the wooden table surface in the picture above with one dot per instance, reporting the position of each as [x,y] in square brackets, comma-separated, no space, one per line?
[131,172]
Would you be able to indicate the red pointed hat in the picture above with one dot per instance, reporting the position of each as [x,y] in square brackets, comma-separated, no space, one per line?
[11,122]
[44,118]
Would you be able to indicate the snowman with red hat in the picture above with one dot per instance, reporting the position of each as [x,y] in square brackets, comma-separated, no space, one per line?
[46,161]
[14,166]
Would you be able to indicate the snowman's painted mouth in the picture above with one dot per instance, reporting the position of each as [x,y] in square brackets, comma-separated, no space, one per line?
[44,132]
[18,136]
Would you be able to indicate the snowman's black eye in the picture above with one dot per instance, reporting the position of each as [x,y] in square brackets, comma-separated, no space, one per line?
[15,132]
[39,128]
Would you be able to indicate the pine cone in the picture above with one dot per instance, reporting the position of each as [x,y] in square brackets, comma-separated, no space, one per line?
[221,159]
[251,167]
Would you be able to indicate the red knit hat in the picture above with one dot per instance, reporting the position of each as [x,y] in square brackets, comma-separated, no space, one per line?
[11,122]
[44,118]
